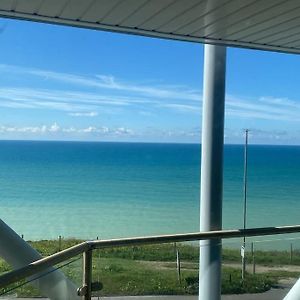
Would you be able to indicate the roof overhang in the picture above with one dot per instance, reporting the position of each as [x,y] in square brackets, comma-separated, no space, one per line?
[272,25]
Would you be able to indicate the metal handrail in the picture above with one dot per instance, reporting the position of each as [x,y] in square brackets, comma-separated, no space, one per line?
[44,263]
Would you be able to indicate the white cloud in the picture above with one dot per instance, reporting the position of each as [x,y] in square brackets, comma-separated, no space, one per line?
[87,95]
[104,129]
[80,104]
[55,129]
[182,107]
[109,82]
[123,130]
[88,129]
[83,114]
[264,108]
[28,129]
[263,136]
[193,133]
[69,130]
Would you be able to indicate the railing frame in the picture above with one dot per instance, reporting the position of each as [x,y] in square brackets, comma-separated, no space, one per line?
[87,247]
[87,274]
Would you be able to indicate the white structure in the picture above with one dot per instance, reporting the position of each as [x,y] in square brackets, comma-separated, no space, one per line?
[212,170]
[18,253]
[294,293]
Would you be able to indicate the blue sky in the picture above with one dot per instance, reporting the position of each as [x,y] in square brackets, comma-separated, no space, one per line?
[64,83]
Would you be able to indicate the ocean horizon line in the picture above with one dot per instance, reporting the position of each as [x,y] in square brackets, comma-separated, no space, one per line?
[142,142]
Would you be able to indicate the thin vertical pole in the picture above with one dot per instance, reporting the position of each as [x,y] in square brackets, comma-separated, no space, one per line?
[178,265]
[98,297]
[253,258]
[87,275]
[245,203]
[212,169]
[59,243]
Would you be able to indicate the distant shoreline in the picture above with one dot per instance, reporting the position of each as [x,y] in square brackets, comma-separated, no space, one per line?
[143,142]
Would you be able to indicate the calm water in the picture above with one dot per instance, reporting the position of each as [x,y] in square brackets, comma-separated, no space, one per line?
[122,189]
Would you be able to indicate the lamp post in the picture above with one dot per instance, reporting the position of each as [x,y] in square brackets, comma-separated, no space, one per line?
[245,203]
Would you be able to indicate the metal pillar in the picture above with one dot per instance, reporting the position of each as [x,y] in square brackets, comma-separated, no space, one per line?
[212,170]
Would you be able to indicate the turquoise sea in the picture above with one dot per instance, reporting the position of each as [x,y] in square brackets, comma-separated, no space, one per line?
[106,190]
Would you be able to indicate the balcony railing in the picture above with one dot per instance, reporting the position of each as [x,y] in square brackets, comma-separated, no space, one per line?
[87,247]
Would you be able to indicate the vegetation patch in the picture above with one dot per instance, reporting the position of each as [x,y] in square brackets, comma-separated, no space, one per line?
[151,269]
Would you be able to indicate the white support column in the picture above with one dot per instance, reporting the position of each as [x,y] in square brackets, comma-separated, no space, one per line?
[212,169]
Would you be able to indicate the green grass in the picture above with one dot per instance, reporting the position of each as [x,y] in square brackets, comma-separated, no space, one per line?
[128,277]
[48,247]
[267,258]
[232,283]
[149,270]
[166,252]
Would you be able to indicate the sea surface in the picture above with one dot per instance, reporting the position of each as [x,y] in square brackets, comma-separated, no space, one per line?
[109,190]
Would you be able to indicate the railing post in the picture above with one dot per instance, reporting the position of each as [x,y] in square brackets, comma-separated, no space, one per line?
[59,243]
[291,253]
[87,274]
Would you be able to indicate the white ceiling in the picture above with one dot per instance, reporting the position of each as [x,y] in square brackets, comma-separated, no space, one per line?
[261,24]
